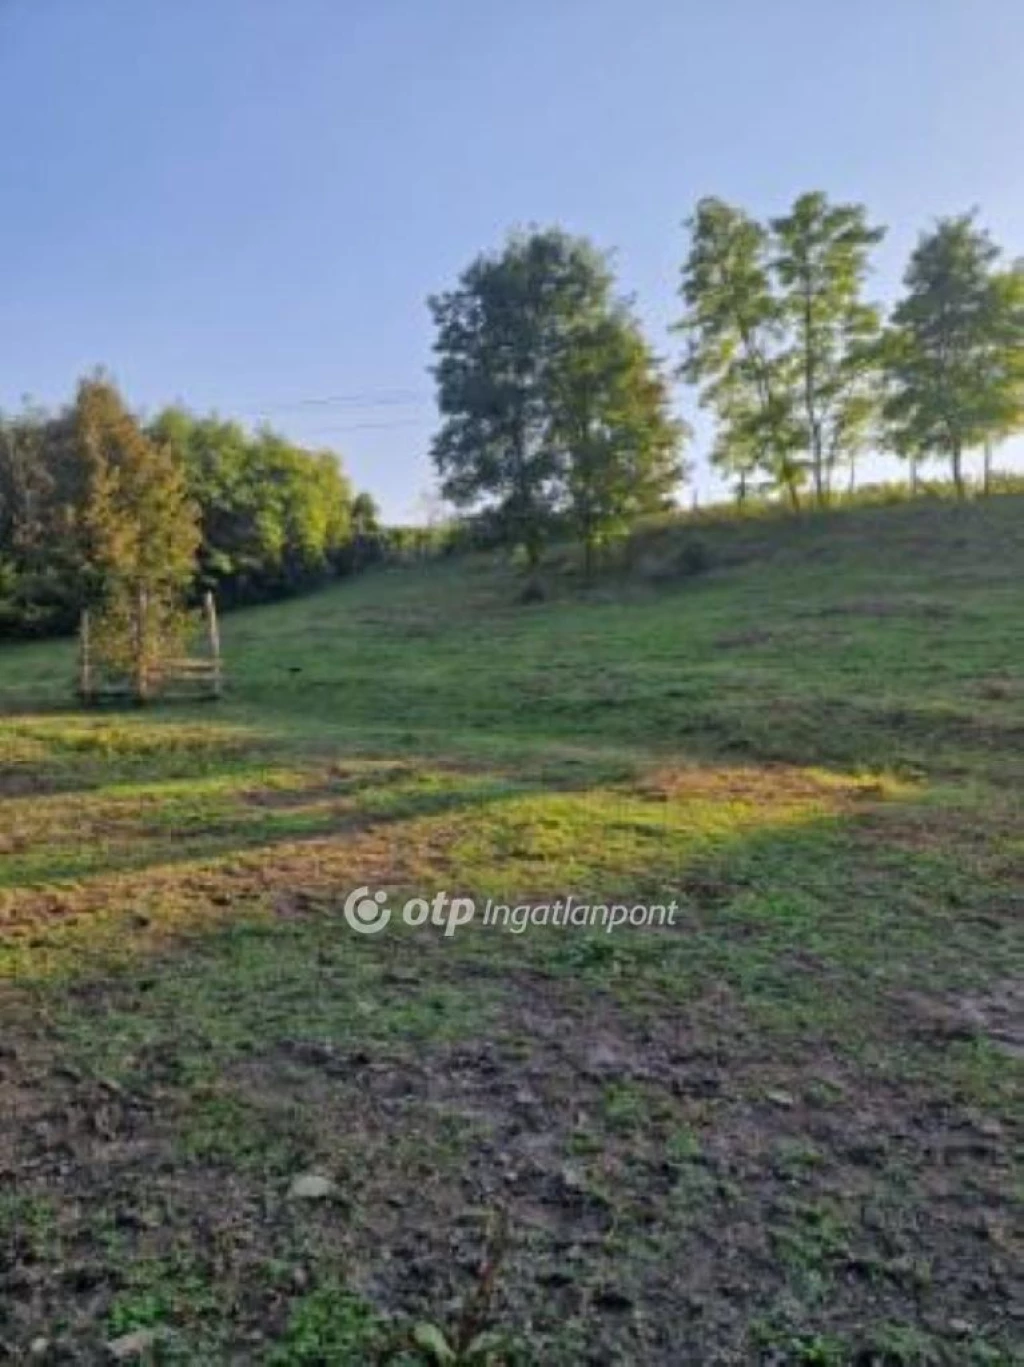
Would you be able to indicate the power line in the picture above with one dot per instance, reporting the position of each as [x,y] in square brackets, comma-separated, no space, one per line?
[365,426]
[367,398]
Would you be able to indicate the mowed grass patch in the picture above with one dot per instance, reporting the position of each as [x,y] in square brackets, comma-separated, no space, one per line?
[784,1129]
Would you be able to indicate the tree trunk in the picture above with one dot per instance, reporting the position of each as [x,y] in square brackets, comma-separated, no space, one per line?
[958,474]
[813,423]
[987,476]
[141,646]
[913,477]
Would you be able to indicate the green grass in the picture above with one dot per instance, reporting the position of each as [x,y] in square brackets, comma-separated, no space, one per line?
[783,1130]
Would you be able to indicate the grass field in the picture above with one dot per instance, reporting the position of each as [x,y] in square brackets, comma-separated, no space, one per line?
[785,1130]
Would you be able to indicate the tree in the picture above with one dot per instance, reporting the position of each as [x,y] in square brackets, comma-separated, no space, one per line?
[274,516]
[734,328]
[1006,379]
[133,524]
[501,334]
[25,485]
[136,524]
[955,346]
[612,418]
[37,584]
[365,515]
[821,253]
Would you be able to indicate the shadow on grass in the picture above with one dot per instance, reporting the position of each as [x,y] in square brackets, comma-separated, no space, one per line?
[676,832]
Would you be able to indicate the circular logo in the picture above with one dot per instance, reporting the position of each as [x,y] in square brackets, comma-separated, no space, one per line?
[366,912]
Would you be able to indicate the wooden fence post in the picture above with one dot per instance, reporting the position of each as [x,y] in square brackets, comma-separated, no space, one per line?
[84,659]
[213,637]
[141,671]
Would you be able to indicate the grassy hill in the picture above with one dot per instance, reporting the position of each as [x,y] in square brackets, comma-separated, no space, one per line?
[782,1130]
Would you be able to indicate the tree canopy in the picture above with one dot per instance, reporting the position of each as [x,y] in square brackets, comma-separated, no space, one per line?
[90,499]
[955,350]
[779,340]
[551,400]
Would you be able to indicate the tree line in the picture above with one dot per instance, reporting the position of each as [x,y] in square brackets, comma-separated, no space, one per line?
[556,411]
[556,415]
[96,504]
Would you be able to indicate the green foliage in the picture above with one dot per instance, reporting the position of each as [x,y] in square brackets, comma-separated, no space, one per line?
[273,515]
[93,507]
[39,586]
[135,524]
[612,418]
[733,329]
[954,353]
[330,1325]
[550,397]
[779,341]
[821,260]
[103,515]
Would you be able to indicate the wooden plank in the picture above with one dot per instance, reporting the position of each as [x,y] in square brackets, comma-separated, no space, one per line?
[84,659]
[213,635]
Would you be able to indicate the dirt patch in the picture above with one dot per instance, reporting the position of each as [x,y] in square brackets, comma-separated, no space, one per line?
[16,783]
[999,1014]
[996,1015]
[668,1186]
[745,640]
[877,609]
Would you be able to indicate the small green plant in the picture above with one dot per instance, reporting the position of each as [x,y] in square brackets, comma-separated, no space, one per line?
[473,1341]
[330,1324]
[333,1325]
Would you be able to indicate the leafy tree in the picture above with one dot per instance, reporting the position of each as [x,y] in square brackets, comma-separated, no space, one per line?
[734,328]
[612,418]
[132,525]
[135,522]
[274,516]
[501,335]
[38,584]
[89,501]
[954,351]
[365,515]
[26,485]
[820,261]
[1006,378]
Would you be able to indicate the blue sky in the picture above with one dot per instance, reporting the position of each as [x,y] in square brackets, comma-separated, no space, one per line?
[244,203]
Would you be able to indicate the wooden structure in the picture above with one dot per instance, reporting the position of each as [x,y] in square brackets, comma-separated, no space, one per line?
[152,675]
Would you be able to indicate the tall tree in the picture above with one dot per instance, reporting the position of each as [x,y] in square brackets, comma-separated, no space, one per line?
[26,485]
[1006,377]
[135,528]
[613,420]
[273,514]
[734,328]
[38,581]
[501,334]
[821,257]
[136,524]
[365,515]
[955,346]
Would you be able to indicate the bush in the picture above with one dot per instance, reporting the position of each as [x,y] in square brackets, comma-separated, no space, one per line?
[694,558]
[533,591]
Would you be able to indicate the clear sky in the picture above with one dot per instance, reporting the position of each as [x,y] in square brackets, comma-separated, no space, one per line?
[243,204]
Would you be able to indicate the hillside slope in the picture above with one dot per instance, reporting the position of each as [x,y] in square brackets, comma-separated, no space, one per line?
[782,1129]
